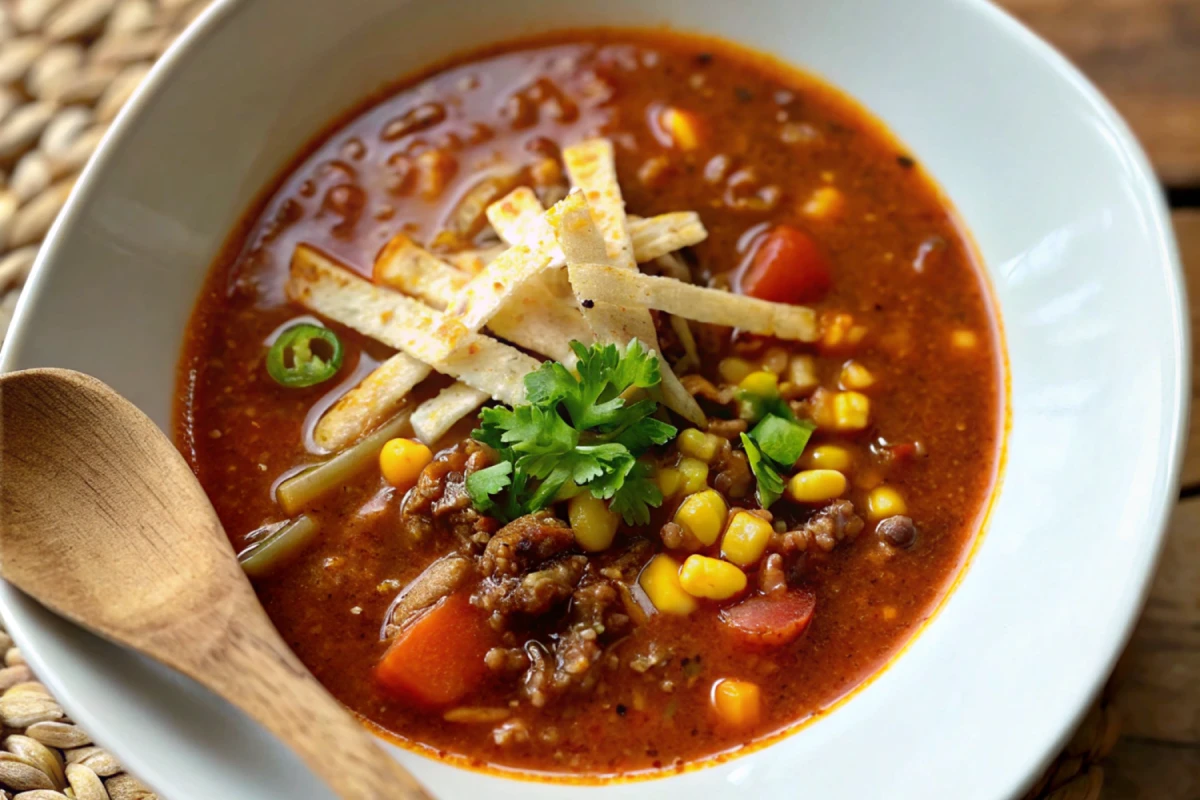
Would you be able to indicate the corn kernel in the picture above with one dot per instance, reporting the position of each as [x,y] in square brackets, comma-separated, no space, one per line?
[762,384]
[698,444]
[738,703]
[820,407]
[856,376]
[802,373]
[745,539]
[592,522]
[856,334]
[816,485]
[827,456]
[682,127]
[669,480]
[401,462]
[712,578]
[824,203]
[836,329]
[660,581]
[964,339]
[775,360]
[851,411]
[733,370]
[884,502]
[703,515]
[695,475]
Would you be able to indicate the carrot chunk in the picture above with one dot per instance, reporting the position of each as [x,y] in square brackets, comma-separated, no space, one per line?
[769,620]
[787,268]
[438,659]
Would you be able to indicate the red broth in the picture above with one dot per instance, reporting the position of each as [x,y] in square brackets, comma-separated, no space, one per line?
[773,146]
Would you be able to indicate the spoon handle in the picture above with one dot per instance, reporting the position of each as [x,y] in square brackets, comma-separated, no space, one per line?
[257,672]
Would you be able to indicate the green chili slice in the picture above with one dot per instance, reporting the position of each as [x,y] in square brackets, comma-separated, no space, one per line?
[304,355]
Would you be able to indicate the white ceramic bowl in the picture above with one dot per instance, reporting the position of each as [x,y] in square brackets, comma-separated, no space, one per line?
[1057,194]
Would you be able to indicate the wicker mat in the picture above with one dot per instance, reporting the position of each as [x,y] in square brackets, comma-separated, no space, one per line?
[66,68]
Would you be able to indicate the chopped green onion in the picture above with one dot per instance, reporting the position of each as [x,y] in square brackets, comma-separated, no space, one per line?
[304,355]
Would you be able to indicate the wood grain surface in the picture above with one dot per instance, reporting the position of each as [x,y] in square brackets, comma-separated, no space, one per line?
[1145,55]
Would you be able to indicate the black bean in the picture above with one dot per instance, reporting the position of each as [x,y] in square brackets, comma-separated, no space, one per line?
[898,531]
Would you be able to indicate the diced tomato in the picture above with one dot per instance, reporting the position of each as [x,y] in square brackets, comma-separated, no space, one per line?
[770,620]
[438,658]
[787,268]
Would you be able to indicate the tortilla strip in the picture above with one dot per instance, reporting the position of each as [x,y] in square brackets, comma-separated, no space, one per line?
[515,216]
[591,167]
[437,415]
[323,287]
[613,285]
[472,262]
[377,397]
[542,316]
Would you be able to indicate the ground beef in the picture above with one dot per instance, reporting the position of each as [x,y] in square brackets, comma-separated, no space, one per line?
[730,429]
[440,497]
[507,660]
[673,536]
[523,571]
[772,579]
[824,530]
[567,664]
[732,477]
[702,388]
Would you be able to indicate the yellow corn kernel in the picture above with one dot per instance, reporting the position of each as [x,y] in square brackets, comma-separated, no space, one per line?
[737,703]
[827,456]
[964,339]
[670,481]
[703,515]
[820,407]
[856,334]
[802,373]
[856,376]
[775,360]
[745,539]
[816,485]
[836,329]
[682,127]
[660,581]
[733,370]
[851,411]
[884,502]
[698,444]
[701,576]
[762,384]
[824,203]
[592,522]
[695,474]
[401,462]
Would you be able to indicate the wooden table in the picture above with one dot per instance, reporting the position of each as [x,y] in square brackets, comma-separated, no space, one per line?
[1145,55]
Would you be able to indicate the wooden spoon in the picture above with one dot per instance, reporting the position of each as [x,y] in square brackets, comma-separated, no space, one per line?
[102,521]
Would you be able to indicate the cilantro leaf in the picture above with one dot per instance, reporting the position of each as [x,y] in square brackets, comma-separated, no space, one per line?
[576,428]
[782,440]
[484,483]
[770,483]
[637,495]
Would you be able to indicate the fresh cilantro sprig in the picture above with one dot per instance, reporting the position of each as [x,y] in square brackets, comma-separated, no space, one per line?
[575,430]
[773,446]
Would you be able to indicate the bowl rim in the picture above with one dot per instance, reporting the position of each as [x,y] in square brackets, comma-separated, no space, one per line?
[1149,196]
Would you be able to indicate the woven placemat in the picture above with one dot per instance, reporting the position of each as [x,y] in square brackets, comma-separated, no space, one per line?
[66,68]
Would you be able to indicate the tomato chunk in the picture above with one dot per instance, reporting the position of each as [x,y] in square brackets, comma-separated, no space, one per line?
[770,620]
[787,268]
[439,658]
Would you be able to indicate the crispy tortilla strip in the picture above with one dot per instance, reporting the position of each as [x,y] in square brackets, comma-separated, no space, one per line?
[437,415]
[387,316]
[517,215]
[622,287]
[542,316]
[654,237]
[683,331]
[376,398]
[581,241]
[488,292]
[593,170]
[472,262]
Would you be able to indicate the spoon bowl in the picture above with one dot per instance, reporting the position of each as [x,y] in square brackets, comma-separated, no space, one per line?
[102,521]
